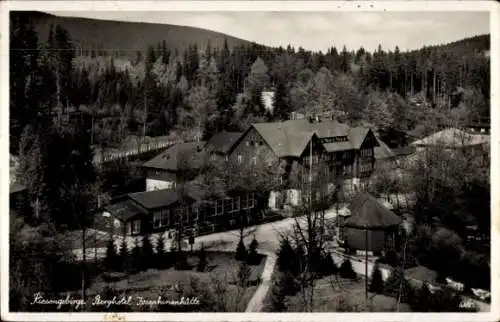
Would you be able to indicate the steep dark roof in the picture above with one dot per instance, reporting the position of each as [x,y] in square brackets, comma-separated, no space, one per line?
[124,210]
[156,198]
[223,142]
[287,138]
[171,159]
[382,151]
[283,139]
[366,211]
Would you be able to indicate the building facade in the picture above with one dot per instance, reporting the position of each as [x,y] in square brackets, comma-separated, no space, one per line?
[309,150]
[190,212]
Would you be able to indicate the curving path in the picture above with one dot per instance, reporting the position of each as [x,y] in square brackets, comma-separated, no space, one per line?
[257,301]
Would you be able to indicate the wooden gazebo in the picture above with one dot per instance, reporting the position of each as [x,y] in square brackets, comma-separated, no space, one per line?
[370,227]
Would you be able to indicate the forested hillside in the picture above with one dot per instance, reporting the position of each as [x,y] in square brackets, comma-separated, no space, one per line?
[125,39]
[208,88]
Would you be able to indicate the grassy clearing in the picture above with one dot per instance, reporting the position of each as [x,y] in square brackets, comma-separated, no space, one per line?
[219,283]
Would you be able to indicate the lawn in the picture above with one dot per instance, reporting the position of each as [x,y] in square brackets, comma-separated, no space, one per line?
[218,283]
[337,294]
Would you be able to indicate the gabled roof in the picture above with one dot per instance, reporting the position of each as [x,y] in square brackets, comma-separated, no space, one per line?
[124,210]
[323,128]
[382,151]
[287,138]
[172,158]
[284,140]
[367,212]
[156,198]
[223,142]
[452,138]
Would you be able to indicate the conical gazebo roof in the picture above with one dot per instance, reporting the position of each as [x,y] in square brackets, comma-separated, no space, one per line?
[367,212]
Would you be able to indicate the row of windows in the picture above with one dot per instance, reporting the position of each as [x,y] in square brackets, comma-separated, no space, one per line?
[254,143]
[335,139]
[366,152]
[315,159]
[228,205]
[235,204]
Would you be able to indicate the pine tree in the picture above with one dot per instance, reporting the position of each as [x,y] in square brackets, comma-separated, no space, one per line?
[377,283]
[253,256]
[111,260]
[346,270]
[147,253]
[282,107]
[137,257]
[241,252]
[125,258]
[161,256]
[286,260]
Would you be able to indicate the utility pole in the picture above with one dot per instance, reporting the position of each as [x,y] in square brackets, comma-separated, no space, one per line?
[366,266]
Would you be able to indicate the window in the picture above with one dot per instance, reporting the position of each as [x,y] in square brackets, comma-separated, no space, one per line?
[347,169]
[240,158]
[228,205]
[260,143]
[366,152]
[136,227]
[248,143]
[341,233]
[236,203]
[251,201]
[196,212]
[161,219]
[219,208]
[254,160]
[244,202]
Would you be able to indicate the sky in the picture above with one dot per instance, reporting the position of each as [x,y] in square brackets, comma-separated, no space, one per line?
[321,30]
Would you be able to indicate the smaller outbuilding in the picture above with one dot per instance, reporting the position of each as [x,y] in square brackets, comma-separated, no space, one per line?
[369,226]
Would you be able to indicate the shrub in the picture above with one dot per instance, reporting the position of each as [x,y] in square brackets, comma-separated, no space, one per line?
[111,260]
[278,297]
[202,260]
[377,282]
[244,273]
[253,256]
[346,270]
[287,283]
[181,262]
[327,265]
[423,300]
[241,251]
[397,286]
[446,300]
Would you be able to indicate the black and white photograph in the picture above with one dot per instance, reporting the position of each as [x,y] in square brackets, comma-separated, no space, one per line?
[247,161]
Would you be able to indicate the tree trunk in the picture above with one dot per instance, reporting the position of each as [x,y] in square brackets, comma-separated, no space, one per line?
[433,86]
[84,264]
[411,84]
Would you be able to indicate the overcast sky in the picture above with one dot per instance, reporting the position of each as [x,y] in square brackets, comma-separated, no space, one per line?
[321,30]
